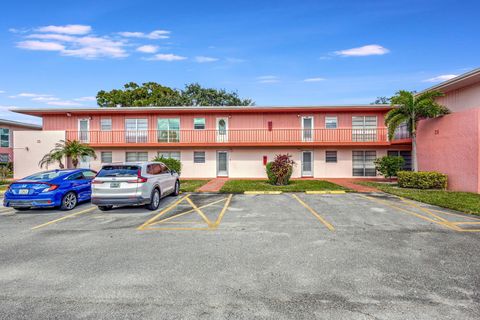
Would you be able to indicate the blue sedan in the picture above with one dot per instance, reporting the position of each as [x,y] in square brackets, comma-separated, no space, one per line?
[55,188]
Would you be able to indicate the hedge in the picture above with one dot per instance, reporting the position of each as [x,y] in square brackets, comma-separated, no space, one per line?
[272,178]
[172,164]
[422,180]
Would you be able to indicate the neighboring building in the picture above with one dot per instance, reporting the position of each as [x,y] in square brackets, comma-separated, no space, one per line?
[7,127]
[451,144]
[324,141]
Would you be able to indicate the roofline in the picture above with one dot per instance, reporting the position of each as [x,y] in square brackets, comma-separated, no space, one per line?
[443,86]
[20,124]
[207,109]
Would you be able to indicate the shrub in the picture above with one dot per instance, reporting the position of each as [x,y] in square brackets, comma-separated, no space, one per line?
[6,170]
[172,164]
[422,180]
[389,166]
[280,170]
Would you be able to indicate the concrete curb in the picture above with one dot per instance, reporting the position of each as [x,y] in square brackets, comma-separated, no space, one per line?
[326,192]
[262,192]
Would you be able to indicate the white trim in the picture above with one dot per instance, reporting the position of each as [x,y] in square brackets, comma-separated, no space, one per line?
[80,131]
[303,129]
[221,137]
[311,164]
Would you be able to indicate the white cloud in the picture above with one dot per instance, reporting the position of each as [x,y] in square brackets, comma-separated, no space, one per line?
[31,95]
[64,103]
[40,45]
[51,36]
[76,29]
[318,79]
[91,47]
[268,79]
[203,59]
[89,98]
[166,57]
[147,49]
[369,50]
[1,91]
[443,77]
[156,34]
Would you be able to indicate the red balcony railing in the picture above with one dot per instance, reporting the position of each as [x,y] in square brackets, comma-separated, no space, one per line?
[235,137]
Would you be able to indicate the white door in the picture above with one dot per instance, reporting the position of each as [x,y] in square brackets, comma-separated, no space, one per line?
[84,162]
[307,164]
[307,128]
[83,130]
[222,129]
[136,130]
[222,163]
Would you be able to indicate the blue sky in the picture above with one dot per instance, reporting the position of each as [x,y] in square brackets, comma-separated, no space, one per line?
[58,54]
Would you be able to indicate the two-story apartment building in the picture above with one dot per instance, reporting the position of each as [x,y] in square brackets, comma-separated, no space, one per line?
[236,142]
[7,127]
[451,144]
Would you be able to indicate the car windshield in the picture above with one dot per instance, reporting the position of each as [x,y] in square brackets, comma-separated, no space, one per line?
[118,171]
[47,175]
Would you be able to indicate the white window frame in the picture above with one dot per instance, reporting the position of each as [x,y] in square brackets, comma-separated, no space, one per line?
[136,135]
[336,156]
[101,124]
[101,156]
[4,155]
[160,154]
[204,124]
[136,156]
[331,118]
[204,157]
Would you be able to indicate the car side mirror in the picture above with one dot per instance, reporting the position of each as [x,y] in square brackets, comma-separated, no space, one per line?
[173,172]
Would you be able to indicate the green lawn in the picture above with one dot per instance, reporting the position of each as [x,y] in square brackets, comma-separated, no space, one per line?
[191,185]
[239,186]
[462,201]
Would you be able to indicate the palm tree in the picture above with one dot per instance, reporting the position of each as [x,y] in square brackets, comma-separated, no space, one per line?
[73,149]
[53,156]
[409,108]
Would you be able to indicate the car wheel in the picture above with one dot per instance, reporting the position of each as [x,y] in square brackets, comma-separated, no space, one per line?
[154,200]
[105,208]
[176,191]
[21,208]
[69,201]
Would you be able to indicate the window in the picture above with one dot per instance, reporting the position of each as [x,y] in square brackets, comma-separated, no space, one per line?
[405,154]
[106,124]
[199,157]
[199,123]
[163,168]
[76,176]
[363,163]
[402,132]
[330,156]
[364,128]
[168,130]
[4,157]
[4,137]
[89,175]
[154,169]
[170,154]
[136,130]
[136,156]
[106,156]
[331,123]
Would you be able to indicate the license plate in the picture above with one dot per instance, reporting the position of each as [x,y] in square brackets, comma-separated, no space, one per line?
[23,191]
[115,185]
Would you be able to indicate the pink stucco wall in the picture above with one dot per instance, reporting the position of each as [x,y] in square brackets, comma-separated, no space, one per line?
[450,144]
[12,128]
[463,98]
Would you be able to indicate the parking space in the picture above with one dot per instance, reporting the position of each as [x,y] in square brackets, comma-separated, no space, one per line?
[222,256]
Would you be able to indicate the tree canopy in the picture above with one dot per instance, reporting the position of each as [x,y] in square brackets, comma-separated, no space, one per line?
[152,94]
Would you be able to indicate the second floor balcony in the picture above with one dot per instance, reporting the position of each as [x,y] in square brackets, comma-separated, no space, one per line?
[236,137]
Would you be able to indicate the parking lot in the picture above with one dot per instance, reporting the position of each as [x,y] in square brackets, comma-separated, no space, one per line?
[304,256]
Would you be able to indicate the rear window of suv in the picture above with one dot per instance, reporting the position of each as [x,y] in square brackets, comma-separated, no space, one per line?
[118,171]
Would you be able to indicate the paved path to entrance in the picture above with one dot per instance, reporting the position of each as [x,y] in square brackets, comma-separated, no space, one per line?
[350,184]
[213,185]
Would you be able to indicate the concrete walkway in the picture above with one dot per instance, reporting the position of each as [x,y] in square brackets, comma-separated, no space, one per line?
[213,185]
[350,184]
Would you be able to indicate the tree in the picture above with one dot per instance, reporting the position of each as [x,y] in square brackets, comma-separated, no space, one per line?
[382,100]
[409,108]
[152,94]
[389,166]
[53,156]
[72,149]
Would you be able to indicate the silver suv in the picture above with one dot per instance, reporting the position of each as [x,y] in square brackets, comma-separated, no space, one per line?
[134,183]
